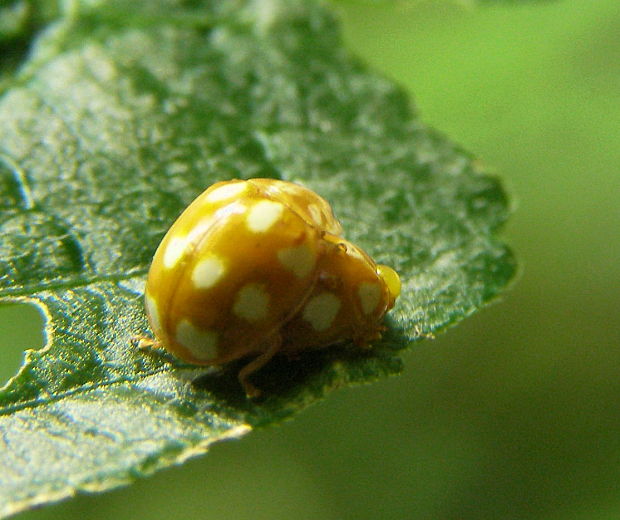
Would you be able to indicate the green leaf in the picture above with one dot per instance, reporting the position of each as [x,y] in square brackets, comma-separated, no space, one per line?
[120,115]
[20,21]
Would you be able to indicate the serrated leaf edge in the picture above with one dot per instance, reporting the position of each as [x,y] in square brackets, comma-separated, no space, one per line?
[110,483]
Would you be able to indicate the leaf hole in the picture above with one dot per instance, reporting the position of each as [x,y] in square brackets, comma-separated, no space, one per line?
[21,328]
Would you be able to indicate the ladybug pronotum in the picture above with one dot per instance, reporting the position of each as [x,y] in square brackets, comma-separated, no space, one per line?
[252,268]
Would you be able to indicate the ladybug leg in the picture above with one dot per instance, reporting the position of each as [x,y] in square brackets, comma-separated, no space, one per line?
[256,364]
[142,342]
[424,335]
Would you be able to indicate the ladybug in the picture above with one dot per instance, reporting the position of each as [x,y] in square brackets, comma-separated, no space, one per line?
[257,267]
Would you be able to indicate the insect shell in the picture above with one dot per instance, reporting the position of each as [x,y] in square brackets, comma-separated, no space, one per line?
[252,268]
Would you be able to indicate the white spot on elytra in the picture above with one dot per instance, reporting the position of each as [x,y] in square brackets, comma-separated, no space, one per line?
[207,272]
[263,215]
[251,302]
[300,260]
[201,343]
[321,310]
[226,191]
[369,294]
[152,311]
[234,208]
[174,251]
[201,228]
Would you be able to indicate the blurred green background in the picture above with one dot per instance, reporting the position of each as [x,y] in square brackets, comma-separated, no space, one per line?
[514,414]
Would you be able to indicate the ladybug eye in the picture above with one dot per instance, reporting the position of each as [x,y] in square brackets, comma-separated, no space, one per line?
[253,268]
[391,280]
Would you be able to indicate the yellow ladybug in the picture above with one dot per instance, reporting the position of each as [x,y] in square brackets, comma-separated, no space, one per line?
[252,268]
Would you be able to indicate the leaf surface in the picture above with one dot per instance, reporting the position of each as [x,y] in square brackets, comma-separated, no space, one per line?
[120,114]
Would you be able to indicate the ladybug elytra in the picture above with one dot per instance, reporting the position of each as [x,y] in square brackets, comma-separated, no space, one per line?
[258,267]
